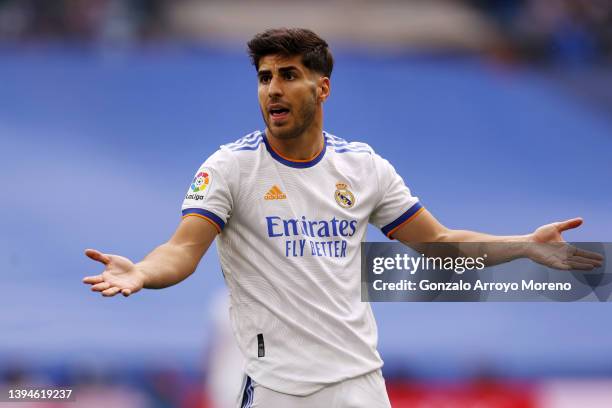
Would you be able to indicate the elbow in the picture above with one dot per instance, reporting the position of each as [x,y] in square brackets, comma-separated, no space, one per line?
[444,235]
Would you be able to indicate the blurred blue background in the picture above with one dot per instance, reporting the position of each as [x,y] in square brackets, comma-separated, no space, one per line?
[99,142]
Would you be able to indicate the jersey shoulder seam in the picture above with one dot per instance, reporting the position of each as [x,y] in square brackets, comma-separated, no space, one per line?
[249,142]
[341,145]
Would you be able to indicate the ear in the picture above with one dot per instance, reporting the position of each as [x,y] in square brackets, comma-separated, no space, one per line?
[323,89]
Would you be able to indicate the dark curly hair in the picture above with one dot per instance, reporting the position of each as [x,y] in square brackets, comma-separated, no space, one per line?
[293,41]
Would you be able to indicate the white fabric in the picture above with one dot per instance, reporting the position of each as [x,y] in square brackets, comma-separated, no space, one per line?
[290,253]
[366,391]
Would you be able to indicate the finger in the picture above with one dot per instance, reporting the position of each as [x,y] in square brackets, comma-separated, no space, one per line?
[111,291]
[579,265]
[93,279]
[100,287]
[97,256]
[560,265]
[569,224]
[126,292]
[589,254]
[584,260]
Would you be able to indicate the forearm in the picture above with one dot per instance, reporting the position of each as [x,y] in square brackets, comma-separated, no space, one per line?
[498,248]
[451,235]
[167,265]
[428,236]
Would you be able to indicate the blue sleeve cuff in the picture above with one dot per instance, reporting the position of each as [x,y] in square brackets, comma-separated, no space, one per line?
[216,220]
[390,228]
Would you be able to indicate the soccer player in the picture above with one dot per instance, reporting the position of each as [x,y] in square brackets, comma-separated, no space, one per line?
[290,206]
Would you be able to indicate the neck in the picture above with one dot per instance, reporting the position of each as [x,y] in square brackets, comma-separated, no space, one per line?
[304,147]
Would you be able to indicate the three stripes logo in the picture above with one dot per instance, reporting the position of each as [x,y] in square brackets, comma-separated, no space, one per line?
[275,193]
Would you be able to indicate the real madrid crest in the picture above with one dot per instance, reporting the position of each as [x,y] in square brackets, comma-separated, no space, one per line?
[343,196]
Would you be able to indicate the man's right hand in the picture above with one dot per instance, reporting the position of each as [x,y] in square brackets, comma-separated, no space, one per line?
[120,275]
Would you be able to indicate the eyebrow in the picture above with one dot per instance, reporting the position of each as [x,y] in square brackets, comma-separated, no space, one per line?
[287,69]
[281,70]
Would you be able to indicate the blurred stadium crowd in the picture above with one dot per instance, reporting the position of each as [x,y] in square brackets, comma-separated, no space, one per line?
[552,31]
[127,387]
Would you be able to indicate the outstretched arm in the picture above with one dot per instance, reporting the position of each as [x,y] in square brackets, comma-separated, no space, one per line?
[165,266]
[425,228]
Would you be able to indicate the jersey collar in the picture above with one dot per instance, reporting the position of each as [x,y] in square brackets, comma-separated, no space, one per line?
[298,164]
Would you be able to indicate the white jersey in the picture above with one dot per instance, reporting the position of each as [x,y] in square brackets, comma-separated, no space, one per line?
[289,245]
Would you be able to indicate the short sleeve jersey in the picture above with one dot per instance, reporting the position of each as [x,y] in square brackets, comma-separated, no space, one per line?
[289,246]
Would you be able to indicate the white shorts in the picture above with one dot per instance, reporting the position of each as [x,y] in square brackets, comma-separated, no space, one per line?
[366,391]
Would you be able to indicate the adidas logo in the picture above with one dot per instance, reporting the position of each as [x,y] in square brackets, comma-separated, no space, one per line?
[275,193]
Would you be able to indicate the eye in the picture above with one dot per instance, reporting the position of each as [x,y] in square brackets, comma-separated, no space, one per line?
[264,79]
[289,75]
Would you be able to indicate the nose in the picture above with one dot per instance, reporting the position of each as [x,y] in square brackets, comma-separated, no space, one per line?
[275,87]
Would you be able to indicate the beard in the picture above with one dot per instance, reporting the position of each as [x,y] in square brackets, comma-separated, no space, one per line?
[303,119]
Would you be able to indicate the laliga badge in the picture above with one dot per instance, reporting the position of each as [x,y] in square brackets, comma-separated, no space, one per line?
[200,182]
[343,196]
[200,186]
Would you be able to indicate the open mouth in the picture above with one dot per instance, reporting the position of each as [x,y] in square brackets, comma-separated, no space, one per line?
[279,113]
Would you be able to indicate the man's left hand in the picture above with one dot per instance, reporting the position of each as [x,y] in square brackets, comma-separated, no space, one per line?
[548,248]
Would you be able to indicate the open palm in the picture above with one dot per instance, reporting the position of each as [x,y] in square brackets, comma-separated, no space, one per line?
[550,249]
[119,275]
